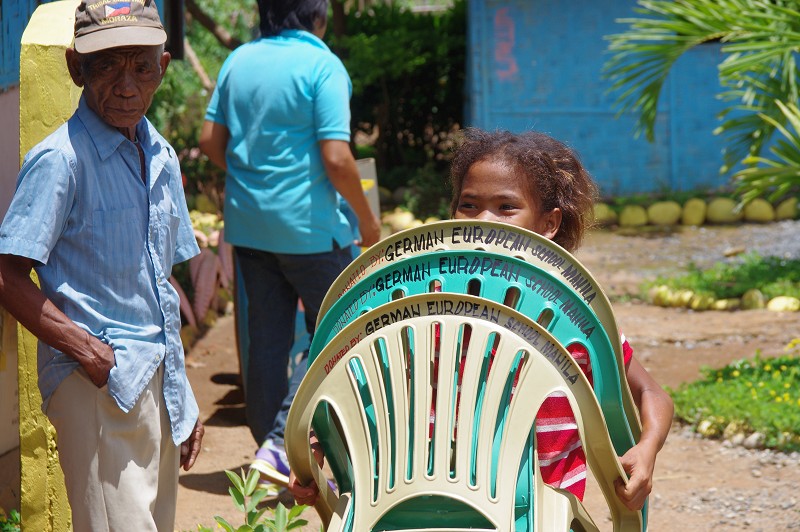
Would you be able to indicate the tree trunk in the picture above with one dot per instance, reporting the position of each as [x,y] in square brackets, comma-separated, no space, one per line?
[208,84]
[339,18]
[223,36]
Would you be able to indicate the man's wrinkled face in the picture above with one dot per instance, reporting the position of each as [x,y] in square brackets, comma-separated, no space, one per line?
[119,83]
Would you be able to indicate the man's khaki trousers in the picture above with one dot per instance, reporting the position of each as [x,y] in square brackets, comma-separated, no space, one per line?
[121,470]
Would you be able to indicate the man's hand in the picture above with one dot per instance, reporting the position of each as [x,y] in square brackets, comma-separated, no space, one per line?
[191,447]
[98,365]
[26,302]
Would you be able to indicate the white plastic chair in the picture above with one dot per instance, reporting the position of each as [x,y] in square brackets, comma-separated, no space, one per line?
[498,238]
[395,472]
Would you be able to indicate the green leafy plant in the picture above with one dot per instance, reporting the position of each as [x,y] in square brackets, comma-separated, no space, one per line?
[747,396]
[428,193]
[9,522]
[407,70]
[774,176]
[246,496]
[759,42]
[179,106]
[773,276]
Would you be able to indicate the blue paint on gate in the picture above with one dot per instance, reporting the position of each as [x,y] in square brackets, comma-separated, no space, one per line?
[14,16]
[537,64]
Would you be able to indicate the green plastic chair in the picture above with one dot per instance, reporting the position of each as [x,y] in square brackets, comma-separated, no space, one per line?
[491,275]
[497,238]
[369,404]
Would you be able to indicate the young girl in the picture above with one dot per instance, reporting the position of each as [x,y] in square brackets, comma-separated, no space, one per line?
[534,181]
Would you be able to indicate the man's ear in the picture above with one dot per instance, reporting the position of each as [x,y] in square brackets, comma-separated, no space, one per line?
[164,62]
[74,67]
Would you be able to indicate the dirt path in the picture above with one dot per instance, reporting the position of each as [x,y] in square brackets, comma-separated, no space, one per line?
[699,484]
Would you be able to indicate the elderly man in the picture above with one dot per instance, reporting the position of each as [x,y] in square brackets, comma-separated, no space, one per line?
[99,213]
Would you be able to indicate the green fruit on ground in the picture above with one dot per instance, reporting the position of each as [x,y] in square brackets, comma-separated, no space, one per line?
[604,215]
[732,303]
[707,428]
[664,213]
[660,295]
[722,211]
[787,209]
[681,298]
[633,216]
[694,212]
[753,299]
[784,304]
[210,318]
[701,302]
[759,210]
[188,335]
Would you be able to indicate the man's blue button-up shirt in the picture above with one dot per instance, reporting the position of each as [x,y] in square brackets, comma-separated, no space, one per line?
[106,241]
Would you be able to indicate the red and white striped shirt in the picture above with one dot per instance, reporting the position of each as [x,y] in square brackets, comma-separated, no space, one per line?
[561,457]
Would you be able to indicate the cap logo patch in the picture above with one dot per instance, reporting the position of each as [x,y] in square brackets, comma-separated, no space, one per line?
[118,8]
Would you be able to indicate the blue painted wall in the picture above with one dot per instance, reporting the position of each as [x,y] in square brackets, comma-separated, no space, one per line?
[14,16]
[537,64]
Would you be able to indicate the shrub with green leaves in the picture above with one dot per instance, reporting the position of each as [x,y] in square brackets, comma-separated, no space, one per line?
[9,522]
[246,496]
[773,276]
[750,395]
[407,71]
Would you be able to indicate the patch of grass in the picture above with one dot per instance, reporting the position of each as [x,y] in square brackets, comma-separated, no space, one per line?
[774,276]
[750,395]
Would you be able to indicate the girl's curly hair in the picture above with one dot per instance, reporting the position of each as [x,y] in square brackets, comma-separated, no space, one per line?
[550,171]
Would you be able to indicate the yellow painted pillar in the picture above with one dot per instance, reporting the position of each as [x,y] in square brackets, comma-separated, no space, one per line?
[47,99]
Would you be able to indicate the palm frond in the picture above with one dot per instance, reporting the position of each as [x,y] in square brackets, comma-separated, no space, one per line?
[760,39]
[643,56]
[774,177]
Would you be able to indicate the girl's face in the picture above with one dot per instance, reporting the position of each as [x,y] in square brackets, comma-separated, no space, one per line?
[491,191]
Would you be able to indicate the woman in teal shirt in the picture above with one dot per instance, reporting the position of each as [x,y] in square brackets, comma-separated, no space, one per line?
[279,123]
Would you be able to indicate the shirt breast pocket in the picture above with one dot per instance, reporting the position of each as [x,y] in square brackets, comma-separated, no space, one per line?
[167,238]
[118,238]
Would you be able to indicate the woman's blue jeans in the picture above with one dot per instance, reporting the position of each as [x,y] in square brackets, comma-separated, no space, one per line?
[273,283]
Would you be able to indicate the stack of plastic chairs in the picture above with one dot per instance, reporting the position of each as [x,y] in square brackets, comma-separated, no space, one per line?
[433,351]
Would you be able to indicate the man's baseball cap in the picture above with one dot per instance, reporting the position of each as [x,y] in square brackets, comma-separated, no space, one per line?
[102,24]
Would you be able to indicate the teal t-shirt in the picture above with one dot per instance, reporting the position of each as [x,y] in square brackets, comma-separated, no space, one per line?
[279,96]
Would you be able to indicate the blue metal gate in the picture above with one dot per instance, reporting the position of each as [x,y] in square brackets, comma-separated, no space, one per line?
[537,64]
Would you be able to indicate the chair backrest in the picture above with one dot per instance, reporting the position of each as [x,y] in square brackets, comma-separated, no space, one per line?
[463,473]
[538,294]
[497,238]
[477,235]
